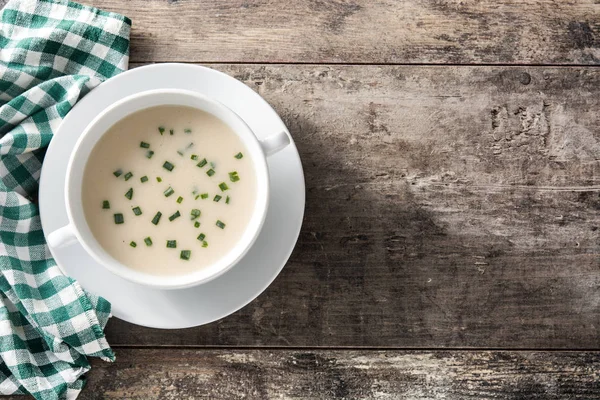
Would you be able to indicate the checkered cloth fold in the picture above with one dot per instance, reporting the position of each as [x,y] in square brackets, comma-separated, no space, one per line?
[51,54]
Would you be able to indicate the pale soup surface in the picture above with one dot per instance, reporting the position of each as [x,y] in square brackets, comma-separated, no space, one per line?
[178,161]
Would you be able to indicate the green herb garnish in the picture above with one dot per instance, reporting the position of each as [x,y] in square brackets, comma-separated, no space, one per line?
[168,166]
[128,176]
[213,165]
[227,200]
[217,198]
[210,172]
[233,176]
[171,131]
[204,196]
[129,194]
[158,179]
[194,157]
[137,210]
[201,237]
[119,218]
[148,241]
[133,244]
[106,205]
[202,163]
[149,154]
[144,179]
[185,254]
[195,213]
[188,131]
[172,244]
[179,199]
[118,172]
[220,224]
[175,216]
[204,244]
[239,156]
[197,197]
[144,145]
[169,191]
[196,224]
[180,153]
[223,186]
[161,129]
[156,218]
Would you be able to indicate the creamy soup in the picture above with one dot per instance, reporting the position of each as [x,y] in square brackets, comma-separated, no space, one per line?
[169,190]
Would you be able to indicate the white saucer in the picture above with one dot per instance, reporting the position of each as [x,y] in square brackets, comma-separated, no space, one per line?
[226,294]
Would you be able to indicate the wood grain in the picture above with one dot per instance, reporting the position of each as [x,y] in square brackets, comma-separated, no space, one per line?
[446,207]
[292,374]
[363,31]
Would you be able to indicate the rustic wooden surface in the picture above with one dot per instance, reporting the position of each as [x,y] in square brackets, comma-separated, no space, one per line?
[446,207]
[363,31]
[451,244]
[307,374]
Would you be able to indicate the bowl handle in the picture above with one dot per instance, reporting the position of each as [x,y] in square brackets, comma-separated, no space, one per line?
[272,144]
[62,237]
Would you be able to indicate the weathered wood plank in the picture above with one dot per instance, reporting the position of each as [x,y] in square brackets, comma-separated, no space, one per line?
[363,31]
[445,207]
[225,374]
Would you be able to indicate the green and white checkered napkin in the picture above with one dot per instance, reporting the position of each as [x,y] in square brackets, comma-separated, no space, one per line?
[51,54]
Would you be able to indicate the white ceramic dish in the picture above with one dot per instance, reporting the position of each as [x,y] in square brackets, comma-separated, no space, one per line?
[78,230]
[235,288]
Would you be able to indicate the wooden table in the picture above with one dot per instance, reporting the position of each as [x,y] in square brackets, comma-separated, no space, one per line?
[451,244]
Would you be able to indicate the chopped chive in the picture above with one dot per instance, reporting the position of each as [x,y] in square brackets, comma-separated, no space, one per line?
[204,244]
[133,244]
[172,244]
[137,211]
[129,194]
[195,213]
[189,146]
[196,224]
[201,237]
[175,216]
[168,166]
[118,218]
[239,155]
[148,241]
[188,131]
[233,176]
[194,157]
[156,218]
[185,254]
[223,186]
[118,172]
[210,172]
[171,132]
[180,153]
[144,145]
[158,179]
[202,163]
[149,154]
[169,191]
[197,197]
[217,198]
[227,200]
[204,196]
[128,176]
[179,199]
[161,129]
[144,179]
[220,224]
[213,165]
[106,205]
